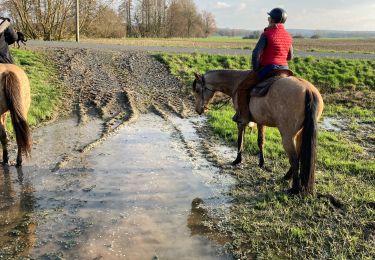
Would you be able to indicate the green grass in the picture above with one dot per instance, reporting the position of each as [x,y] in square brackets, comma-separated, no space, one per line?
[184,65]
[45,92]
[329,75]
[365,115]
[265,221]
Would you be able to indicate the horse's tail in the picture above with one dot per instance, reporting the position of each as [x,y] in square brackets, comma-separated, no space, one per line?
[12,89]
[309,142]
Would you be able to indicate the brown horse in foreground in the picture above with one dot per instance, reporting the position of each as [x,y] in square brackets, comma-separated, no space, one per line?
[292,105]
[15,97]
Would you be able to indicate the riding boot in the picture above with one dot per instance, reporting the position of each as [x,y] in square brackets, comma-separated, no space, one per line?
[242,115]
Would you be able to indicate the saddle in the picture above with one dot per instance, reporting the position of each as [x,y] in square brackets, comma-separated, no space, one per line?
[261,89]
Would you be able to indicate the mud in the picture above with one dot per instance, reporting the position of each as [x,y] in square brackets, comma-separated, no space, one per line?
[123,175]
[354,129]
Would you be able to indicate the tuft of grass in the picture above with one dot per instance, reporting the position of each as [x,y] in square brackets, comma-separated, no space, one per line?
[184,65]
[365,115]
[46,94]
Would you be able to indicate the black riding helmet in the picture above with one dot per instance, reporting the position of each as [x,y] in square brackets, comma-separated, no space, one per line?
[278,15]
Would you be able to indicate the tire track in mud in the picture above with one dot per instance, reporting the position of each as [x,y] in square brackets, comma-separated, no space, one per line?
[145,85]
[115,87]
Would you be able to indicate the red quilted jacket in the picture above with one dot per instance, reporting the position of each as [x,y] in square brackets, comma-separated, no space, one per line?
[279,42]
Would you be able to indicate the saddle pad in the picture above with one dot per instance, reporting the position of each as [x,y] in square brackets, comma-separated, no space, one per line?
[261,89]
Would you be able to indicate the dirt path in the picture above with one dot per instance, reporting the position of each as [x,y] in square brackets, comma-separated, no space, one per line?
[124,176]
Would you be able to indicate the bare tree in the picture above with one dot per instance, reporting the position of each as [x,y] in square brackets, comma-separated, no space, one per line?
[41,19]
[209,23]
[184,19]
[55,19]
[125,9]
[109,25]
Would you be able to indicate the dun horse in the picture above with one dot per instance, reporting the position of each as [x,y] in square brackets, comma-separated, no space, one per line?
[292,105]
[15,97]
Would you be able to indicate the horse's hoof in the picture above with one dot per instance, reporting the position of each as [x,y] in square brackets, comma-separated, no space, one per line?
[236,162]
[261,164]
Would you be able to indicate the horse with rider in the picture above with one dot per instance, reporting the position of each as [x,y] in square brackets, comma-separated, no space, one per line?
[270,95]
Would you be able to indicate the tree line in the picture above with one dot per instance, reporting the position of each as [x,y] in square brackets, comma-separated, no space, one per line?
[55,19]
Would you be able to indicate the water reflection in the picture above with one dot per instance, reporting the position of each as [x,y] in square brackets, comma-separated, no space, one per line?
[202,223]
[17,202]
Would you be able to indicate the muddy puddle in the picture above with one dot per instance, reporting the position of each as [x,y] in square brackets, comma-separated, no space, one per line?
[331,124]
[145,193]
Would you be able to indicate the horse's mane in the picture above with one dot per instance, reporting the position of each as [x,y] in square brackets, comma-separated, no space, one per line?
[223,70]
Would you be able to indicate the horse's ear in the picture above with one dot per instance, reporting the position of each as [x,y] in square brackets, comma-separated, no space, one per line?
[197,76]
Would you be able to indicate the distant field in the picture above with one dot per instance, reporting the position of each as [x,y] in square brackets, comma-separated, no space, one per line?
[327,45]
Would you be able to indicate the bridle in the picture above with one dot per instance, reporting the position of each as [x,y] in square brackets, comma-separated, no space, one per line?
[204,88]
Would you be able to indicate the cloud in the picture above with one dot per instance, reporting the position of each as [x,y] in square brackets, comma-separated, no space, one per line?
[241,6]
[222,5]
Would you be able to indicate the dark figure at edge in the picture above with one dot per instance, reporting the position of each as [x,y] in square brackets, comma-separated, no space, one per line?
[7,37]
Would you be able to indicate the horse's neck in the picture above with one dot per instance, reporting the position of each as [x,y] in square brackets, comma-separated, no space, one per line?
[226,87]
[226,81]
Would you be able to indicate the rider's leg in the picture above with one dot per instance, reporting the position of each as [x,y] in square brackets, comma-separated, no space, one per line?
[243,98]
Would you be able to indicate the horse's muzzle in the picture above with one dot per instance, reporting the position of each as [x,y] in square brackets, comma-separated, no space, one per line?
[201,110]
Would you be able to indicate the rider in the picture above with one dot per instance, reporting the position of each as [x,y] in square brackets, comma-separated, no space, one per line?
[7,37]
[272,51]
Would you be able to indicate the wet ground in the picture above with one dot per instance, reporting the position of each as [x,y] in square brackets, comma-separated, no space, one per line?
[126,172]
[141,194]
[121,174]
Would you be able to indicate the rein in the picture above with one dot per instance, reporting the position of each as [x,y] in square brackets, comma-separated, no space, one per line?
[225,102]
[204,87]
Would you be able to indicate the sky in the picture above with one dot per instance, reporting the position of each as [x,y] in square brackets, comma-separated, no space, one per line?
[346,15]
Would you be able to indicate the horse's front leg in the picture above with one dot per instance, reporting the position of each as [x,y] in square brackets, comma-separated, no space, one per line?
[4,139]
[261,140]
[241,134]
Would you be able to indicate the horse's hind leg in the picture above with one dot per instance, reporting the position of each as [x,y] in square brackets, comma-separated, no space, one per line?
[241,134]
[298,141]
[4,139]
[261,139]
[19,156]
[290,148]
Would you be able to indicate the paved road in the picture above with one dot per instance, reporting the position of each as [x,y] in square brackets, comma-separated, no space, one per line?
[117,47]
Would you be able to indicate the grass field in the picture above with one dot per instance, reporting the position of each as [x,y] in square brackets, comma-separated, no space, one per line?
[266,223]
[45,92]
[324,45]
